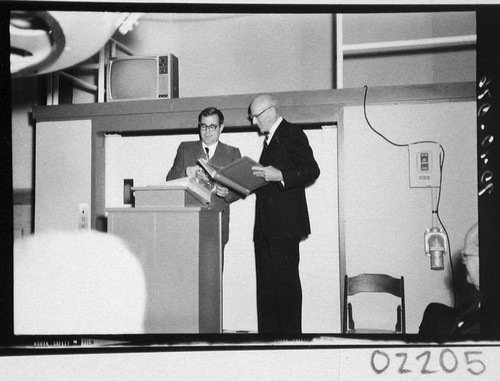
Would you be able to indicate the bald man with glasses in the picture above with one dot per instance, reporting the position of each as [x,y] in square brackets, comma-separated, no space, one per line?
[281,217]
[210,127]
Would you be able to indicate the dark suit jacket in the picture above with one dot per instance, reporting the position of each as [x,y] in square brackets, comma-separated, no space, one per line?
[439,319]
[187,155]
[281,210]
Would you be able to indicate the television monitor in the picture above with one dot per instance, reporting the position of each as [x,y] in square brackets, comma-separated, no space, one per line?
[142,77]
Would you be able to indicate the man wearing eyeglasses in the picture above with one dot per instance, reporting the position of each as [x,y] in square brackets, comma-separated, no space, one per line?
[470,255]
[210,125]
[281,217]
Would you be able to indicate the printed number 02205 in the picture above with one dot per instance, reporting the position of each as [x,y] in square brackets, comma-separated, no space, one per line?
[448,362]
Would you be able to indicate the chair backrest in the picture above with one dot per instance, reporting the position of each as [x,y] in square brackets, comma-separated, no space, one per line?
[374,283]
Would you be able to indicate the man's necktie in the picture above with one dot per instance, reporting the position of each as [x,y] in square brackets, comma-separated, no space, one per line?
[207,150]
[266,141]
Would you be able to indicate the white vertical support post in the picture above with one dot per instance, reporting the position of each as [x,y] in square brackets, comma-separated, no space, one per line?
[100,75]
[48,98]
[53,89]
[112,48]
[339,52]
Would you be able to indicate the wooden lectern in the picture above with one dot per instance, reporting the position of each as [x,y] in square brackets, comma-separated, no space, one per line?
[177,239]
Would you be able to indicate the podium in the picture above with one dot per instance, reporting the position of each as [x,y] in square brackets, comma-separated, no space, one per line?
[177,239]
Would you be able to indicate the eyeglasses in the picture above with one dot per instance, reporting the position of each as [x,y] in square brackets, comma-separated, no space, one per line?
[465,257]
[212,127]
[259,114]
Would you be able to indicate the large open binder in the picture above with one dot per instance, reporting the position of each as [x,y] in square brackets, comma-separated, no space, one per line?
[237,176]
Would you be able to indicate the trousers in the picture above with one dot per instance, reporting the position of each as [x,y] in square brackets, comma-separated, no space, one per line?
[279,292]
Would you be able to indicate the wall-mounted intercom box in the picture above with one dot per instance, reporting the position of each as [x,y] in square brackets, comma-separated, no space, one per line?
[424,165]
[83,216]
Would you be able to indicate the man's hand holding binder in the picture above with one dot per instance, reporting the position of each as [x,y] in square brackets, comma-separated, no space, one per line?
[268,173]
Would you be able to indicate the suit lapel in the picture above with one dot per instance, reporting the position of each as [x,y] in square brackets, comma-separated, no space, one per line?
[215,155]
[199,150]
[263,155]
[218,155]
[202,153]
[269,152]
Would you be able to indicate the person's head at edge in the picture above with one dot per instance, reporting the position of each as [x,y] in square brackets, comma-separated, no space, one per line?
[77,282]
[210,124]
[470,255]
[264,112]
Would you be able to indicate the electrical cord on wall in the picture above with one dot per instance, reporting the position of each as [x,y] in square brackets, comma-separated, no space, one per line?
[373,129]
[441,166]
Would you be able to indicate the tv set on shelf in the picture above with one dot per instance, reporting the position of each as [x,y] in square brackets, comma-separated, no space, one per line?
[142,77]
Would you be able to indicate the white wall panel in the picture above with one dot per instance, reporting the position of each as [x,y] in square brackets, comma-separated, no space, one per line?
[385,219]
[62,173]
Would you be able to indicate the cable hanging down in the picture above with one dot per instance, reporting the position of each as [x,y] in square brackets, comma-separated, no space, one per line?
[435,211]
